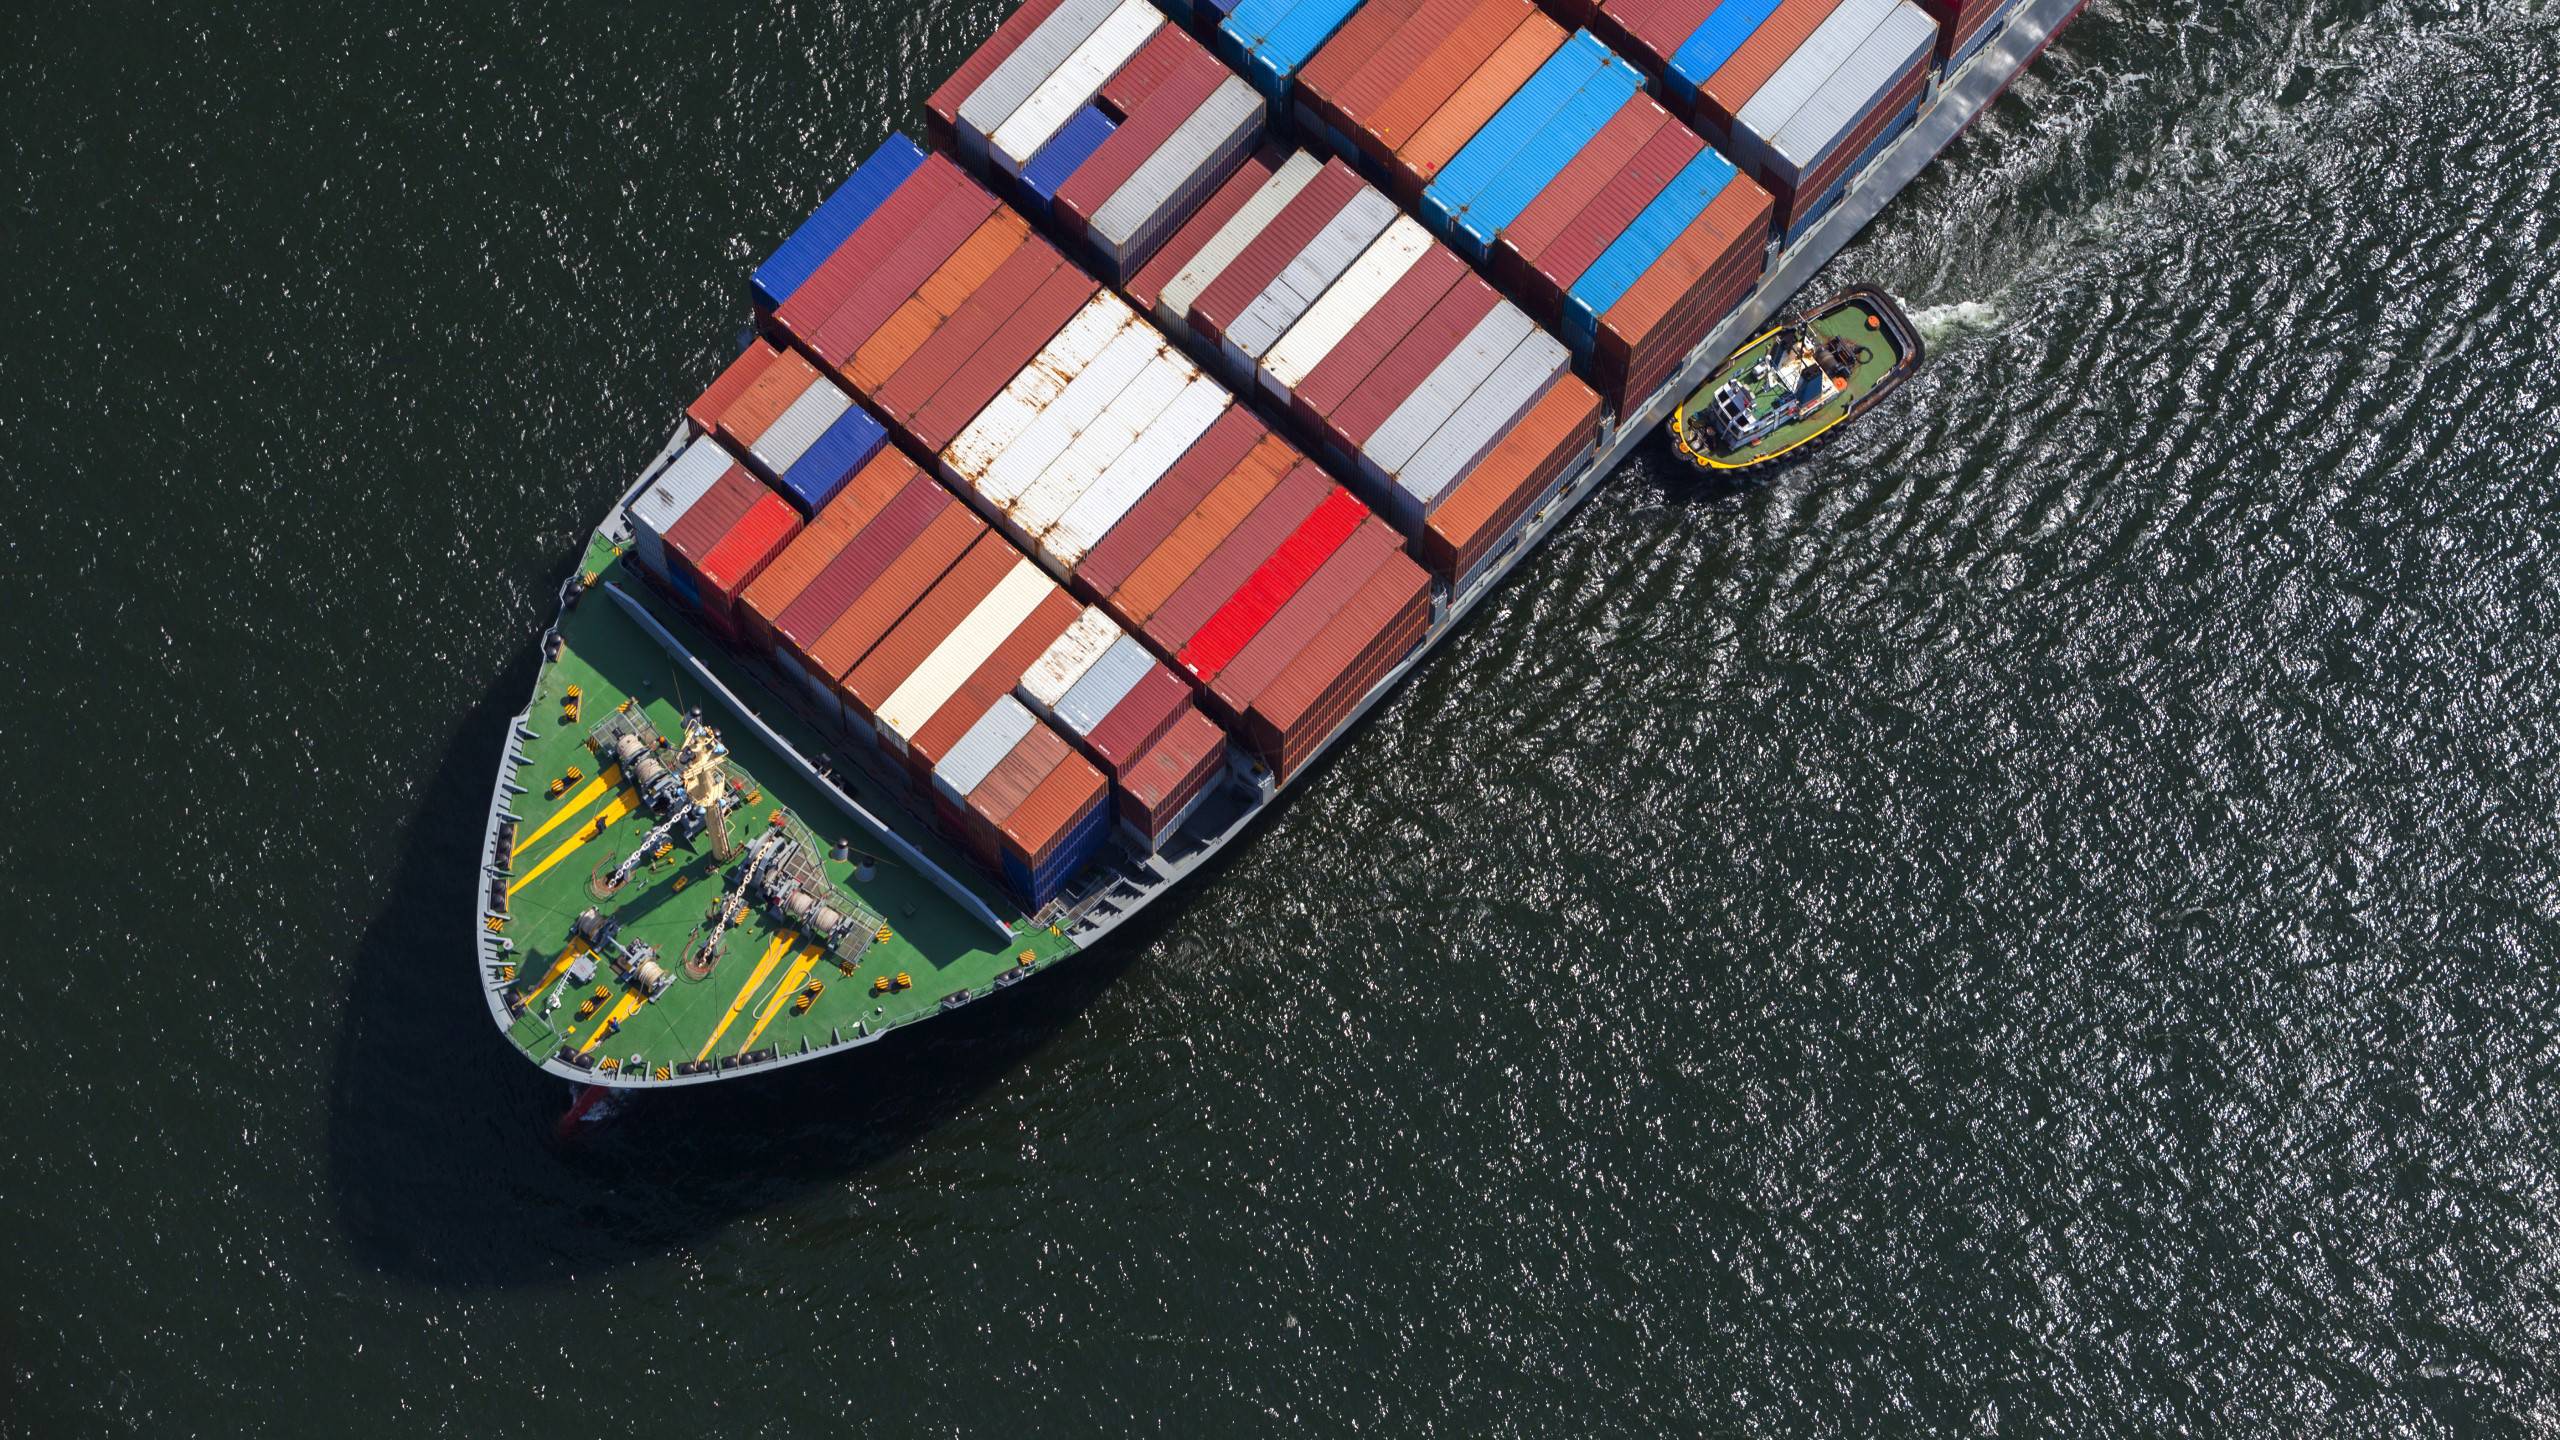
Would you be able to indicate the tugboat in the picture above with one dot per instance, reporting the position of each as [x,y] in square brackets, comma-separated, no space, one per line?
[1799,382]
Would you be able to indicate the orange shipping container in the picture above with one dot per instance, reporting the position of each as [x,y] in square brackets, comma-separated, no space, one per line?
[885,602]
[1488,90]
[781,582]
[1172,562]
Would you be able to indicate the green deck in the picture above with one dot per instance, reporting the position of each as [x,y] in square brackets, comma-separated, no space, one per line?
[1849,322]
[745,1004]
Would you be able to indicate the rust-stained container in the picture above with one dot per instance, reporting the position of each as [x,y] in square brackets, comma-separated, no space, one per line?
[994,678]
[896,274]
[1670,308]
[1296,624]
[1211,458]
[855,506]
[942,108]
[1418,161]
[1147,286]
[1409,364]
[949,287]
[1226,507]
[1573,191]
[1155,790]
[1521,469]
[937,611]
[1349,363]
[1379,131]
[935,185]
[1234,559]
[1009,346]
[1297,223]
[889,586]
[705,412]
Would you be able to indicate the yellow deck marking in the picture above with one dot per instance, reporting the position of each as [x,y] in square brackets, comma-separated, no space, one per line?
[620,807]
[791,979]
[559,967]
[764,967]
[585,797]
[621,1010]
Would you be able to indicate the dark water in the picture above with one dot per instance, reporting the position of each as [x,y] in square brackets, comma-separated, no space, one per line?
[2036,922]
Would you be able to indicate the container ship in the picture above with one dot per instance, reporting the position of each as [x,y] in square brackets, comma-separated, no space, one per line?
[1094,465]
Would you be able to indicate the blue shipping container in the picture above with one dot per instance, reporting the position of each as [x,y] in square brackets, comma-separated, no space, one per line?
[1640,244]
[831,459]
[1546,155]
[1073,145]
[1715,41]
[1444,203]
[835,220]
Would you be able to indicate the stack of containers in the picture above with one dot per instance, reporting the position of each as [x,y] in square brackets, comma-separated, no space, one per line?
[1405,368]
[1042,69]
[1026,804]
[706,527]
[1268,40]
[1072,424]
[1156,129]
[1544,159]
[835,218]
[1965,26]
[790,424]
[1105,691]
[1802,93]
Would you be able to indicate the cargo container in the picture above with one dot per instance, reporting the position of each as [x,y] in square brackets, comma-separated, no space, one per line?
[1173,560]
[1195,266]
[857,502]
[1652,293]
[834,221]
[1185,132]
[1501,168]
[1164,783]
[1484,510]
[1268,40]
[1965,26]
[1184,486]
[664,502]
[868,586]
[1233,560]
[730,561]
[1472,104]
[915,227]
[1042,76]
[951,284]
[690,542]
[867,686]
[1146,286]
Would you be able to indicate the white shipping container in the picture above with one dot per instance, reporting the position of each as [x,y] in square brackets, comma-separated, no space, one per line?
[1012,81]
[1168,186]
[1032,388]
[799,426]
[1103,687]
[1099,443]
[1072,84]
[1443,391]
[1795,81]
[1854,91]
[966,648]
[1067,658]
[978,752]
[686,479]
[1287,364]
[1304,279]
[1173,305]
[1476,425]
[1055,428]
[1136,471]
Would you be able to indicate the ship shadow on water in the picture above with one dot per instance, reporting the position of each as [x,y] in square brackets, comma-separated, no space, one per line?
[444,1164]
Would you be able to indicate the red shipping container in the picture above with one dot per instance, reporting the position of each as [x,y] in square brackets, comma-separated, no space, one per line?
[1650,322]
[1211,458]
[1147,286]
[1372,26]
[1258,263]
[1386,326]
[1138,720]
[1243,551]
[1375,74]
[934,184]
[738,557]
[942,108]
[1272,585]
[1005,292]
[1569,194]
[1410,363]
[917,320]
[704,413]
[1148,126]
[1225,507]
[1418,161]
[854,507]
[1610,212]
[1018,339]
[1302,619]
[1342,662]
[1153,788]
[689,540]
[1382,130]
[897,276]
